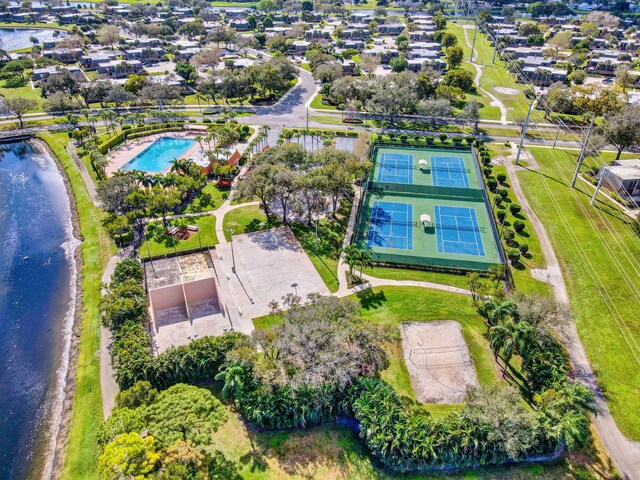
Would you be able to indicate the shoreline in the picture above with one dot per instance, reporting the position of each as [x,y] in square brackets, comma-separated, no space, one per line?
[60,432]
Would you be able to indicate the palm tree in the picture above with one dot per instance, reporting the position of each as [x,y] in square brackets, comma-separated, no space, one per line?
[233,376]
[351,255]
[494,310]
[177,166]
[287,135]
[364,260]
[509,337]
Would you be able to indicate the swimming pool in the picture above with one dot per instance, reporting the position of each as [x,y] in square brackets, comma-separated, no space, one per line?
[157,157]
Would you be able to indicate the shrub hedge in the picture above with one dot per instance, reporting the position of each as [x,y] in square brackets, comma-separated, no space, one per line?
[137,133]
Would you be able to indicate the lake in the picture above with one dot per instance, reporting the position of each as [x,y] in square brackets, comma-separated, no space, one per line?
[37,285]
[18,38]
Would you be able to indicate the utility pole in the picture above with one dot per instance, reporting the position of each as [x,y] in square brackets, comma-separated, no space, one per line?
[582,154]
[524,129]
[307,119]
[556,139]
[595,194]
[473,44]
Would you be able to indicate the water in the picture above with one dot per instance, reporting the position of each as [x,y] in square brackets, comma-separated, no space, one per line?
[37,285]
[18,38]
[157,157]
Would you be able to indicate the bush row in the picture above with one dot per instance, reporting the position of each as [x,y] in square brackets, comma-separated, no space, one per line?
[139,132]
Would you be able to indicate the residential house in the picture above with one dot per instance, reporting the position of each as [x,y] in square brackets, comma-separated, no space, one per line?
[64,55]
[623,178]
[120,68]
[40,76]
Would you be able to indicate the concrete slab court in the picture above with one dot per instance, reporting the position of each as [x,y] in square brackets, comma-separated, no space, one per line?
[272,263]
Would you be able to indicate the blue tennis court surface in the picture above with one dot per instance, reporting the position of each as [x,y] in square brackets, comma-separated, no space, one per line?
[449,172]
[457,231]
[396,168]
[390,225]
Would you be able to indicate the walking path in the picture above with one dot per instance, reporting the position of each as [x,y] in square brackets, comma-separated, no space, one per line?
[624,452]
[108,384]
[85,175]
[496,102]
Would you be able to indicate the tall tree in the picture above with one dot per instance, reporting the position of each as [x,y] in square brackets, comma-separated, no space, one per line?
[18,107]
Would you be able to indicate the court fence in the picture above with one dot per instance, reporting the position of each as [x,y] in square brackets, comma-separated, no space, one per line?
[430,190]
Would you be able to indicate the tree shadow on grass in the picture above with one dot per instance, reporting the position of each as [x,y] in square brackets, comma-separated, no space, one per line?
[369,299]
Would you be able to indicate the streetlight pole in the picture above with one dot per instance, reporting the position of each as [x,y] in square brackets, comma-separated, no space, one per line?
[233,257]
[595,194]
[316,235]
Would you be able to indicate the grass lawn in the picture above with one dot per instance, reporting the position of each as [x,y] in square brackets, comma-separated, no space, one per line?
[158,243]
[23,92]
[317,103]
[600,258]
[247,219]
[81,458]
[393,305]
[54,25]
[326,119]
[207,199]
[453,279]
[493,75]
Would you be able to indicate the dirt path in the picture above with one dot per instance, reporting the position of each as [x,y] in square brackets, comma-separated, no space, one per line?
[624,452]
[495,101]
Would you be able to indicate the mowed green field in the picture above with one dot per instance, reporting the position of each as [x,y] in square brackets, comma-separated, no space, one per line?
[494,74]
[600,257]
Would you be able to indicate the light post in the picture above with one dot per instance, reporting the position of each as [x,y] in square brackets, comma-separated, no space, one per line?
[316,235]
[233,257]
[295,288]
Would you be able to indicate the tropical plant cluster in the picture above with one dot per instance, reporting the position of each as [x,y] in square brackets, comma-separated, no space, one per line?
[124,310]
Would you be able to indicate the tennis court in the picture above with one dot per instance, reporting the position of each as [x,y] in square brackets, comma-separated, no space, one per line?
[395,168]
[457,231]
[390,225]
[425,206]
[406,169]
[449,172]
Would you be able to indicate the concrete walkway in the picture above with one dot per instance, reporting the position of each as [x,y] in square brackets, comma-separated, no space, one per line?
[624,452]
[495,101]
[108,384]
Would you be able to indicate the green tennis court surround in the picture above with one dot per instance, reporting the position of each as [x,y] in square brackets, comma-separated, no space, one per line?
[427,207]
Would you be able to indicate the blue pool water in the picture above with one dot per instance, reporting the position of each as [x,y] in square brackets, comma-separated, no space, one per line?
[157,157]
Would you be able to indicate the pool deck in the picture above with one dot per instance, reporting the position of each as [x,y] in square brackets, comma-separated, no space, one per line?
[127,151]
